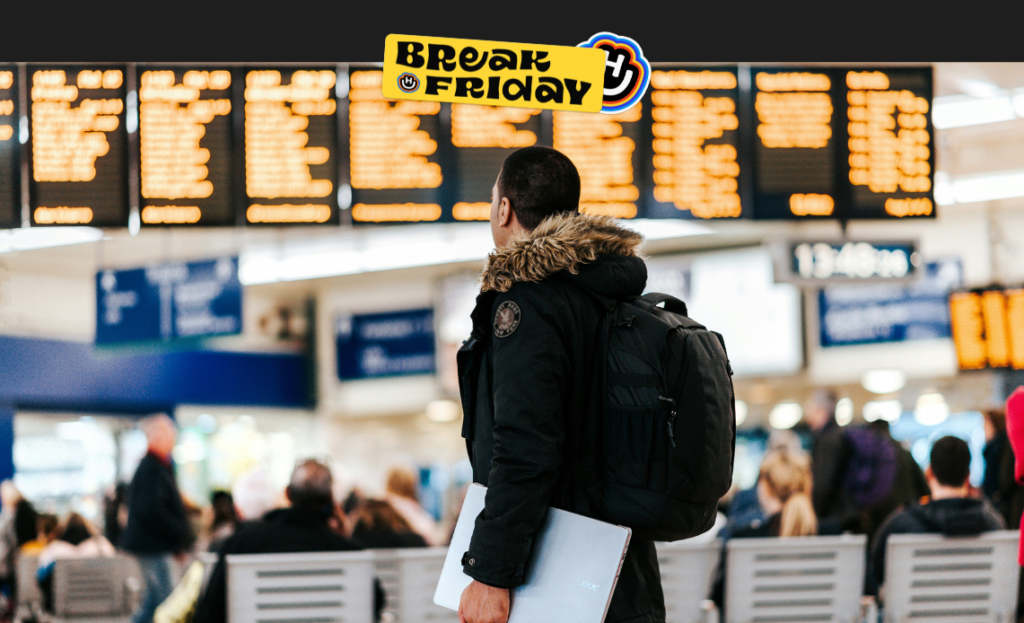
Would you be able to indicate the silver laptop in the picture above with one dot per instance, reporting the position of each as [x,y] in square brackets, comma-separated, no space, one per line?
[571,574]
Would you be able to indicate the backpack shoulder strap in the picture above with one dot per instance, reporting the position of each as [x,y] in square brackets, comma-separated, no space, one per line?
[672,304]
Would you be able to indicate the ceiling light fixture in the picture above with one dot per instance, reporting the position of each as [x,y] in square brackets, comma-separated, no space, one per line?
[883,381]
[958,111]
[888,410]
[931,409]
[29,238]
[785,415]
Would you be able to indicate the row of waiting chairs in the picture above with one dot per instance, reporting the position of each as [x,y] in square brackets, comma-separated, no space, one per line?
[929,578]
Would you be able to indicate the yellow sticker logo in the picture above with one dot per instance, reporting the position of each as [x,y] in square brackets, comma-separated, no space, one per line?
[495,73]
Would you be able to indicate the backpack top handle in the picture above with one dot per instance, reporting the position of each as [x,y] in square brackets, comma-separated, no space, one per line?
[672,304]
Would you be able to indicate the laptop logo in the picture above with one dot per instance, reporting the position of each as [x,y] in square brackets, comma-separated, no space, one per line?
[589,586]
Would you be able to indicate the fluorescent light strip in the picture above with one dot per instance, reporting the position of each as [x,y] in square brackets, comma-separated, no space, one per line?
[405,247]
[26,239]
[959,111]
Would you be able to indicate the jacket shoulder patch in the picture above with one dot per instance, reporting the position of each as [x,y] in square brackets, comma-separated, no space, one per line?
[506,319]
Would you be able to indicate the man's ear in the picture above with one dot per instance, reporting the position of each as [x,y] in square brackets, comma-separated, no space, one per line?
[505,214]
[929,474]
[288,493]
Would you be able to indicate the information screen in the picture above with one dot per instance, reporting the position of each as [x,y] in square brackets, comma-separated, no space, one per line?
[291,139]
[186,146]
[10,154]
[483,136]
[606,150]
[394,162]
[794,143]
[78,166]
[891,156]
[988,328]
[694,143]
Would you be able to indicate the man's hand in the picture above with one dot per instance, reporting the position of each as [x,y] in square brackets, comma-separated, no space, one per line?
[481,603]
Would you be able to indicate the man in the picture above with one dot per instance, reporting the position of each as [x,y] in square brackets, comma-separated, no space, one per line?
[158,528]
[949,510]
[830,456]
[305,526]
[528,380]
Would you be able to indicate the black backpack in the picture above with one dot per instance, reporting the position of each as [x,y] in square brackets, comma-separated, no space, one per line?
[669,421]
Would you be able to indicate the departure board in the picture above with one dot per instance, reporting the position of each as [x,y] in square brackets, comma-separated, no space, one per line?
[78,169]
[394,164]
[988,328]
[606,151]
[320,145]
[186,149]
[891,156]
[694,142]
[483,136]
[794,144]
[10,154]
[291,138]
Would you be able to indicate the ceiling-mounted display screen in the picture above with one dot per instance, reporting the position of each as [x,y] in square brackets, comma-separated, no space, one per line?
[186,146]
[223,145]
[78,165]
[10,154]
[394,164]
[291,143]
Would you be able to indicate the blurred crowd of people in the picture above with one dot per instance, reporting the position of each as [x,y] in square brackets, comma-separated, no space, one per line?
[151,521]
[830,480]
[858,479]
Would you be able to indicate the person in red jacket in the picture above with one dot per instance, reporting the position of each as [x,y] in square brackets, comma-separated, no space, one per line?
[1015,431]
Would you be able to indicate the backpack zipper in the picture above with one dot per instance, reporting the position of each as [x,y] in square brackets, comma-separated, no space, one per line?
[671,418]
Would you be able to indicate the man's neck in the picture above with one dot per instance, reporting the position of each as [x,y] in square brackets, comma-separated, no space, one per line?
[942,492]
[164,458]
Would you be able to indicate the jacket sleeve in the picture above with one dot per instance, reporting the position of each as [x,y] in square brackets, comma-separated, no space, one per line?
[530,368]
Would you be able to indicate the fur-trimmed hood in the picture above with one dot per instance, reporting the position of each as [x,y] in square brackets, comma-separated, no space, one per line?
[561,242]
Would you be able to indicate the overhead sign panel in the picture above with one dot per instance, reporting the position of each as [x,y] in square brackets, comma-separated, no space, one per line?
[878,313]
[167,301]
[291,136]
[394,164]
[988,328]
[78,167]
[823,262]
[694,140]
[10,152]
[387,344]
[186,146]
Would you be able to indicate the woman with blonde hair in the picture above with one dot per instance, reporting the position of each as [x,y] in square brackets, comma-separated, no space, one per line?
[402,494]
[784,492]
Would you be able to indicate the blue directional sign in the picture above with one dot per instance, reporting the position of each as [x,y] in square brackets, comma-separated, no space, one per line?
[167,301]
[869,314]
[388,344]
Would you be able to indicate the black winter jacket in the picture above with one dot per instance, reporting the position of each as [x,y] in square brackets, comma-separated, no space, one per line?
[531,403]
[951,516]
[281,531]
[157,523]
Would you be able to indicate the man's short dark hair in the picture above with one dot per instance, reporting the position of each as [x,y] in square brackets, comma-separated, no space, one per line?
[539,182]
[951,461]
[311,486]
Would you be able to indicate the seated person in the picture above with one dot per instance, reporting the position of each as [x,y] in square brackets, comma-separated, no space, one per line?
[305,526]
[784,493]
[379,526]
[77,539]
[48,530]
[949,510]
